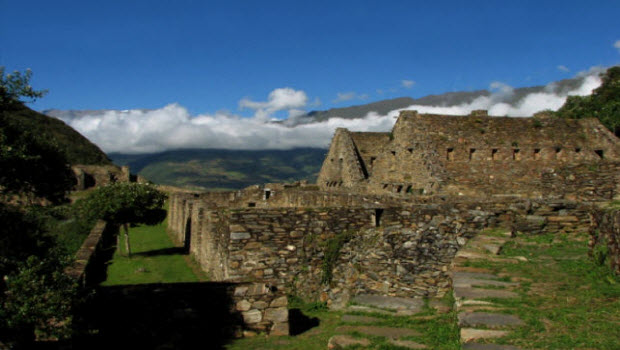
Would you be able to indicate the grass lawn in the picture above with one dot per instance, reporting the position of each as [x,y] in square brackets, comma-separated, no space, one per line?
[154,259]
[437,331]
[566,300]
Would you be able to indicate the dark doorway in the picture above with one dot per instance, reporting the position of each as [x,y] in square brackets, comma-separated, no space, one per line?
[188,235]
[377,217]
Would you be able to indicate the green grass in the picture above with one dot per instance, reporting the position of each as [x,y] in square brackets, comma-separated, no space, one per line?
[570,303]
[153,268]
[439,332]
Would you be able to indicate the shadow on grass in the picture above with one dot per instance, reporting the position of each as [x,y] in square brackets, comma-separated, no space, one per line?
[300,323]
[164,251]
[151,316]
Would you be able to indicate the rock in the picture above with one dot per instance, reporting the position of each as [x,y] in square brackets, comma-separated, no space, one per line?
[469,334]
[478,293]
[239,235]
[279,302]
[281,328]
[243,305]
[279,314]
[493,248]
[359,319]
[490,320]
[343,341]
[394,303]
[252,316]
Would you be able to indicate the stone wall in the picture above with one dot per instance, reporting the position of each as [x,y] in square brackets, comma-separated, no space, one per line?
[89,267]
[88,176]
[391,250]
[605,237]
[477,155]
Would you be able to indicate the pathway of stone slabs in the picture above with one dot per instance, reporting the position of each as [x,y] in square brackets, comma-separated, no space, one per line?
[363,324]
[481,321]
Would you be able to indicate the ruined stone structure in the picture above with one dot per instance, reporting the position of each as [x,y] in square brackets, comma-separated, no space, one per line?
[88,176]
[398,206]
[476,155]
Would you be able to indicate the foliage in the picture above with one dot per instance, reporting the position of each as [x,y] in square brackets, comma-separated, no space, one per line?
[604,103]
[39,295]
[332,253]
[15,88]
[35,292]
[32,167]
[125,203]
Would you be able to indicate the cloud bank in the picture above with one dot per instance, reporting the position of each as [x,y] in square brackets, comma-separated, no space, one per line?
[172,127]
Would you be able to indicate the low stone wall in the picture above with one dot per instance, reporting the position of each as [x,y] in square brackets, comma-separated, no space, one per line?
[88,268]
[263,307]
[393,250]
[605,237]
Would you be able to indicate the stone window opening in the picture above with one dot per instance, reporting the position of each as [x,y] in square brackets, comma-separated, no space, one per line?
[600,153]
[251,205]
[376,217]
[267,194]
[494,155]
[372,161]
[394,153]
[410,150]
[450,154]
[577,150]
[408,190]
[516,154]
[385,186]
[471,153]
[340,184]
[331,160]
[536,153]
[399,188]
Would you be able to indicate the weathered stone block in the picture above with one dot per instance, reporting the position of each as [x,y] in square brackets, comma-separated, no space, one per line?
[243,305]
[252,316]
[279,314]
[239,235]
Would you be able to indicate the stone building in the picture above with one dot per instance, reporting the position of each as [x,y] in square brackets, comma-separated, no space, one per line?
[400,204]
[476,155]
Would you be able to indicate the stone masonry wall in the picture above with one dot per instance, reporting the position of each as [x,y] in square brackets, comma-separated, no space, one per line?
[392,250]
[605,237]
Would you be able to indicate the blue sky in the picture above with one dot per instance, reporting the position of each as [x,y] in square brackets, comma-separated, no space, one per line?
[209,55]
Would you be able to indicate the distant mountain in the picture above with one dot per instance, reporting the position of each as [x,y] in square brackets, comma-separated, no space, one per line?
[76,148]
[224,169]
[445,99]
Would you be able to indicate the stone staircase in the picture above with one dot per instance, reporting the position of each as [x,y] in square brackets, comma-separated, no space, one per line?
[361,319]
[480,320]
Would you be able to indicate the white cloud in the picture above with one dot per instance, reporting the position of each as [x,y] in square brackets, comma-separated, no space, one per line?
[283,99]
[617,45]
[408,84]
[172,127]
[563,68]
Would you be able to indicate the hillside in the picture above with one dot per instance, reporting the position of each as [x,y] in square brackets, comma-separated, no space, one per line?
[76,148]
[224,169]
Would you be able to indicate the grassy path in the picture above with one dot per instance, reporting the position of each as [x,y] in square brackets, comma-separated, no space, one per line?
[155,259]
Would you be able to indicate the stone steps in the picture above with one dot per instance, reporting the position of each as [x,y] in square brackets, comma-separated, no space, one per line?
[365,323]
[478,318]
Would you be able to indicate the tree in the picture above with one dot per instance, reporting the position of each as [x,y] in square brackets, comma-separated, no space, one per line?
[15,88]
[604,103]
[34,291]
[125,204]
